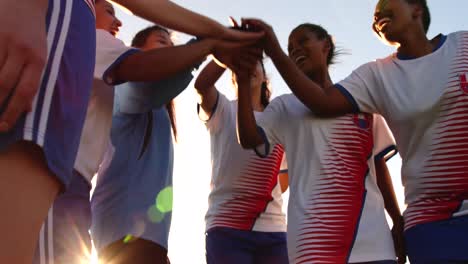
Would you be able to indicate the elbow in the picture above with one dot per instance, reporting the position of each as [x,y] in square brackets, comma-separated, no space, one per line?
[245,143]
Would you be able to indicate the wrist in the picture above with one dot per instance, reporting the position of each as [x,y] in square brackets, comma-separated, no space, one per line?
[276,52]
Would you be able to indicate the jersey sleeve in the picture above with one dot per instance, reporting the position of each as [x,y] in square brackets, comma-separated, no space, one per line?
[361,88]
[110,51]
[284,164]
[269,124]
[384,143]
[220,115]
[141,97]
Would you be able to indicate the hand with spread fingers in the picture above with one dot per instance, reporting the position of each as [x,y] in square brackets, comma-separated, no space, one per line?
[269,41]
[23,53]
[237,55]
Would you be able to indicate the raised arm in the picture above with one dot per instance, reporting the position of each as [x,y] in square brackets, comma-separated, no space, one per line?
[143,66]
[323,101]
[205,86]
[385,185]
[248,133]
[173,16]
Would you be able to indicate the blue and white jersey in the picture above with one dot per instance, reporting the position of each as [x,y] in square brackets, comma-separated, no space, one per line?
[133,194]
[425,102]
[109,52]
[56,119]
[336,211]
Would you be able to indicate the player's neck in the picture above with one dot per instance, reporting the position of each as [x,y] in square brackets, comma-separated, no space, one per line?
[322,78]
[415,45]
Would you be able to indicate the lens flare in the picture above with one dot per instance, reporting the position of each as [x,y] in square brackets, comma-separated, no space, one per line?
[164,200]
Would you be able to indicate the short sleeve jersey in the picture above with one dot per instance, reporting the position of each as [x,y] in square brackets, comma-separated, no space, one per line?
[336,211]
[109,52]
[245,192]
[425,102]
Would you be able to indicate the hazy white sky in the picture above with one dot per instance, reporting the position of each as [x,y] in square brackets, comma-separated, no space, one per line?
[347,20]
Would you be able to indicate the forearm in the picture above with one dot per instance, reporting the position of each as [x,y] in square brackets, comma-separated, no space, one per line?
[307,91]
[248,134]
[173,16]
[385,185]
[162,63]
[208,77]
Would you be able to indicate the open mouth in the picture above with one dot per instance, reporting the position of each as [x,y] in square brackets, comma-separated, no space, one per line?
[300,59]
[382,23]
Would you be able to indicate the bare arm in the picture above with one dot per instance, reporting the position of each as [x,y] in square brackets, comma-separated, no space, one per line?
[249,136]
[143,66]
[284,181]
[173,16]
[385,185]
[323,102]
[205,86]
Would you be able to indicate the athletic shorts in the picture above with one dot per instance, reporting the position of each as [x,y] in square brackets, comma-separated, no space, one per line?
[64,236]
[228,245]
[59,108]
[441,242]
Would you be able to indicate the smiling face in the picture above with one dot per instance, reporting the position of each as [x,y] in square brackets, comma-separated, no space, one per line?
[393,18]
[308,51]
[106,19]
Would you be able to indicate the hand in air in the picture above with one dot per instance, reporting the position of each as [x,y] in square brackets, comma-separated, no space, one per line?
[269,41]
[23,53]
[237,55]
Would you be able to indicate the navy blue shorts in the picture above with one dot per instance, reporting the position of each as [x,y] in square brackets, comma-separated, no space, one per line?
[64,236]
[441,242]
[232,246]
[59,108]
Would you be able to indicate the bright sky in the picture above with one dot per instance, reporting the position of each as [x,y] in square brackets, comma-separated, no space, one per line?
[349,23]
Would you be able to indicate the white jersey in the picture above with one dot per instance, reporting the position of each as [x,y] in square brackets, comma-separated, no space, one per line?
[336,211]
[425,102]
[245,191]
[96,130]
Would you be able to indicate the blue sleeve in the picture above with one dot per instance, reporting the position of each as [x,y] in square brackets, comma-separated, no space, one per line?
[140,97]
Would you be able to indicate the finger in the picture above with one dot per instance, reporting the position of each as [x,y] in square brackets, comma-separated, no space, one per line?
[233,22]
[23,95]
[10,74]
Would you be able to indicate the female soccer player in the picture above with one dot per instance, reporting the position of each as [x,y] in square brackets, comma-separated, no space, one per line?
[132,201]
[336,210]
[421,92]
[244,222]
[114,60]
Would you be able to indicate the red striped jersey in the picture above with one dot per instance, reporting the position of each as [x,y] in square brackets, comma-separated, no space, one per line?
[245,191]
[336,211]
[425,102]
